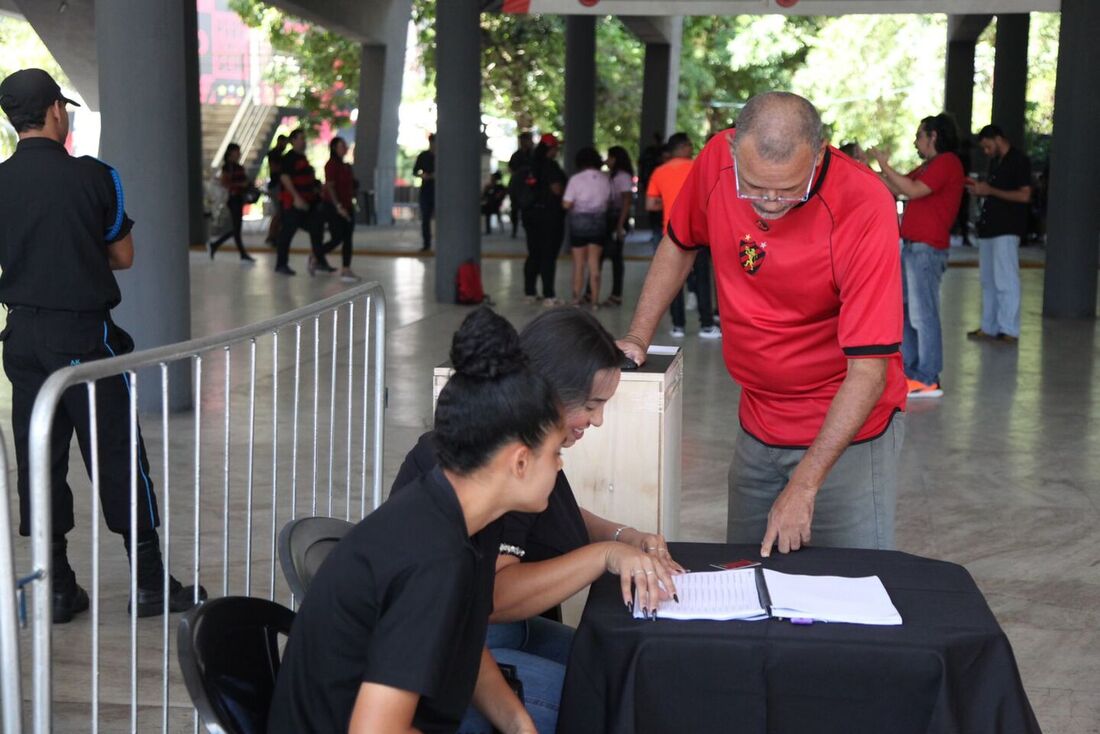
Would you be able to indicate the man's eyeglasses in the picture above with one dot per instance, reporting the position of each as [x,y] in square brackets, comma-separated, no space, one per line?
[774,199]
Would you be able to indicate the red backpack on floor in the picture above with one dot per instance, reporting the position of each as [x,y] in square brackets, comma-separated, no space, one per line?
[468,290]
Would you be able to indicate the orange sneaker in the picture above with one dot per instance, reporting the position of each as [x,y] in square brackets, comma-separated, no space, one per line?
[918,389]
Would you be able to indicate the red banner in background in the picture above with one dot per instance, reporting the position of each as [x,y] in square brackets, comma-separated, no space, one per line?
[520,7]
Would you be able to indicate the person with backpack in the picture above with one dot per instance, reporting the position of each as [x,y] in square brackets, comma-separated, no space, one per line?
[543,220]
[234,180]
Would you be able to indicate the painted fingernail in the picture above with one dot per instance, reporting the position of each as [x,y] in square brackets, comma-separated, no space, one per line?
[630,606]
[645,612]
[676,598]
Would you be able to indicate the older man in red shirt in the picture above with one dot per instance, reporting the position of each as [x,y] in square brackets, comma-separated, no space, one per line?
[805,249]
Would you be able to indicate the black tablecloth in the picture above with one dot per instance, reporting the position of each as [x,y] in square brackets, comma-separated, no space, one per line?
[948,668]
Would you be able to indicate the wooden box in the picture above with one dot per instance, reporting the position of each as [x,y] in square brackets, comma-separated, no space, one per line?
[628,469]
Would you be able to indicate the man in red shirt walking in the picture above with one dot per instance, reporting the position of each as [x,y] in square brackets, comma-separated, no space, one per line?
[934,190]
[805,248]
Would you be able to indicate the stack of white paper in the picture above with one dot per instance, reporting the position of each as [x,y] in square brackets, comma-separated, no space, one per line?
[724,595]
[830,598]
[717,595]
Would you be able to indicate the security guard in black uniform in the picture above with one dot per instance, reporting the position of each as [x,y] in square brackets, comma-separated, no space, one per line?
[64,230]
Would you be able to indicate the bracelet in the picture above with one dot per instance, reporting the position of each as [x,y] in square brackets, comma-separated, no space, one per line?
[618,532]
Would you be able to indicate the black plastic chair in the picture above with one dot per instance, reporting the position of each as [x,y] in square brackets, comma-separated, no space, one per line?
[229,656]
[303,546]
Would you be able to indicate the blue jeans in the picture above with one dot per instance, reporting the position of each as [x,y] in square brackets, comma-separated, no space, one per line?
[539,648]
[999,267]
[922,268]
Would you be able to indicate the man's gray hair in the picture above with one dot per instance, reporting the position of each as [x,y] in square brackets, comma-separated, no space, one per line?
[779,123]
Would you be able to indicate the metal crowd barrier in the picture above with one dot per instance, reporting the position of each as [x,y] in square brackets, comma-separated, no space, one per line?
[11,688]
[322,397]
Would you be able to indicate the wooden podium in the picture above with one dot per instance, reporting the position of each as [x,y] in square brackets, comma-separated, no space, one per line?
[628,469]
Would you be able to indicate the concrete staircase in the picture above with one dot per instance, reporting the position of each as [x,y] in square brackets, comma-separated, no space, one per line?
[259,127]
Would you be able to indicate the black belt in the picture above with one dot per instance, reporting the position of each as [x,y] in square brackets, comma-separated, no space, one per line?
[99,312]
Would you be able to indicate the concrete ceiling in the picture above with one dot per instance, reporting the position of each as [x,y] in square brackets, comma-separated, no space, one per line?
[651,29]
[67,27]
[758,7]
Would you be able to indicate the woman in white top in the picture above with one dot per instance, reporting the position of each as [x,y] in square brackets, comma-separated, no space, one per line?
[586,199]
[621,172]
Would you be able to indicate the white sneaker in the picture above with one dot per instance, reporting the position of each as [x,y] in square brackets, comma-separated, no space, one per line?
[677,331]
[710,332]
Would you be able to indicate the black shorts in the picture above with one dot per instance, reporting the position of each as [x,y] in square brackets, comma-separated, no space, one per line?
[587,229]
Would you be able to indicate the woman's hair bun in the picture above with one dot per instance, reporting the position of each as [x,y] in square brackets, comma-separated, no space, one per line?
[486,347]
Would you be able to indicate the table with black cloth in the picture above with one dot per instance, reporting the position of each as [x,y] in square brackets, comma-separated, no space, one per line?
[947,668]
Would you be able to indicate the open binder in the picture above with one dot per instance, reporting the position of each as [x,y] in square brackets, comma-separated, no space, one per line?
[759,593]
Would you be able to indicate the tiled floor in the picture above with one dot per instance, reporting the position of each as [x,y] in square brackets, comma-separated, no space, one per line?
[1002,474]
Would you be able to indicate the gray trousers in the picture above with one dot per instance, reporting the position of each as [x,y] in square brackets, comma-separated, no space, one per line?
[854,508]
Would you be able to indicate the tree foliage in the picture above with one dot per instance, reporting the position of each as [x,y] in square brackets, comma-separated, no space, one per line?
[316,69]
[22,49]
[873,76]
[726,60]
[522,63]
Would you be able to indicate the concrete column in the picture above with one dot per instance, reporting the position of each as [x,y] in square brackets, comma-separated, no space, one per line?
[958,95]
[458,158]
[196,219]
[381,74]
[580,86]
[1073,224]
[655,86]
[1010,75]
[660,94]
[145,137]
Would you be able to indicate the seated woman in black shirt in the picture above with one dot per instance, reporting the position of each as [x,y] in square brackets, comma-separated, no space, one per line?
[391,635]
[547,557]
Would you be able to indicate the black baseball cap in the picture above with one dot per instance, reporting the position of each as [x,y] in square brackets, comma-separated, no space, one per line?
[30,90]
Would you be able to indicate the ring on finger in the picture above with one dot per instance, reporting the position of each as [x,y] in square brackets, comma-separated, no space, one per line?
[650,573]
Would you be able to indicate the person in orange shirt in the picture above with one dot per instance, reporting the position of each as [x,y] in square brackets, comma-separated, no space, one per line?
[664,186]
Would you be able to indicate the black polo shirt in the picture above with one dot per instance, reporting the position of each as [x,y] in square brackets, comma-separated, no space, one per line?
[425,164]
[403,600]
[539,536]
[1000,217]
[59,213]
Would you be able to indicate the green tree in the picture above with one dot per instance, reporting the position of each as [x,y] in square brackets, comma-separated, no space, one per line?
[869,87]
[727,59]
[522,58]
[22,49]
[316,69]
[620,62]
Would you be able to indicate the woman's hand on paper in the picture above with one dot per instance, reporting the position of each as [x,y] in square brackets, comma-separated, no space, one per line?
[655,545]
[633,565]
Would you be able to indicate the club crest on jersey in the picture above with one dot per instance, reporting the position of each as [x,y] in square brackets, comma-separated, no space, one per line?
[752,254]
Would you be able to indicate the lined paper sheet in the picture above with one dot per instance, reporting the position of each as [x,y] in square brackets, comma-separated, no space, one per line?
[719,595]
[831,598]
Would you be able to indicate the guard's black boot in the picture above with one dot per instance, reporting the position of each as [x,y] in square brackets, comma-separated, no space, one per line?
[150,571]
[68,598]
